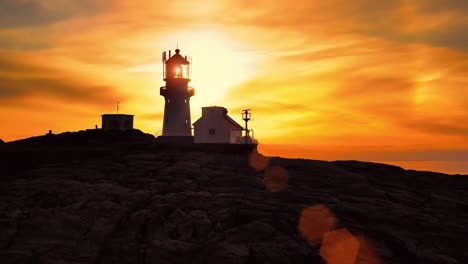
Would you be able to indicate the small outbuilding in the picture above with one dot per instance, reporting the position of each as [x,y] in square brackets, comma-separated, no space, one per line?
[117,122]
[215,126]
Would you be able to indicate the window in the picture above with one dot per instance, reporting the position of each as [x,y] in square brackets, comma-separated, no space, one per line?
[186,121]
[212,131]
[185,100]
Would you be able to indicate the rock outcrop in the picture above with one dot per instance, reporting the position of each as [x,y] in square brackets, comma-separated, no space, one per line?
[144,204]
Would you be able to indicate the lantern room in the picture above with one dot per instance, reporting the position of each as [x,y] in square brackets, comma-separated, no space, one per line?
[176,66]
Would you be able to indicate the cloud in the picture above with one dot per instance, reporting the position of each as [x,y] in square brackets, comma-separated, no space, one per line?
[17,63]
[380,88]
[33,13]
[267,106]
[434,22]
[64,88]
[453,126]
[151,116]
[23,76]
[21,40]
[435,6]
[351,91]
[455,36]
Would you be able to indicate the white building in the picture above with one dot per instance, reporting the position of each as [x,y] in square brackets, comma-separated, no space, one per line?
[120,122]
[215,126]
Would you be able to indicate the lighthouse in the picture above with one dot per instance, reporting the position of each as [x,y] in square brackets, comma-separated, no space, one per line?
[176,73]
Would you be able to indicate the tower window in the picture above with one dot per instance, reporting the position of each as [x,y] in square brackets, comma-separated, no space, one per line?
[168,101]
[186,121]
[212,131]
[185,100]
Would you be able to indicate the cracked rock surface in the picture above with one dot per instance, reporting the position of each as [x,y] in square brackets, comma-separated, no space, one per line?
[146,204]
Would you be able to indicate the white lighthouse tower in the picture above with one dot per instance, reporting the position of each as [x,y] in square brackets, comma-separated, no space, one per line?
[177,93]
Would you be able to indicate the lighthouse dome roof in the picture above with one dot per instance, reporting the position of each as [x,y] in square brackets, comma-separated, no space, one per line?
[177,59]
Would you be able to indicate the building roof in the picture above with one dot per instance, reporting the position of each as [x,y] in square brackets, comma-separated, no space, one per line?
[225,116]
[197,121]
[214,107]
[232,121]
[116,115]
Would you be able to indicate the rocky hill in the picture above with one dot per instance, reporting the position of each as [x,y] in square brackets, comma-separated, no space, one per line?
[92,198]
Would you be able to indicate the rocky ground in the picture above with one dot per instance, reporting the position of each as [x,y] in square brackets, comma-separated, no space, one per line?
[85,201]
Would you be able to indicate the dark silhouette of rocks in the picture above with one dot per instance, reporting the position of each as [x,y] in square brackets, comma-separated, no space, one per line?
[1,141]
[91,137]
[88,197]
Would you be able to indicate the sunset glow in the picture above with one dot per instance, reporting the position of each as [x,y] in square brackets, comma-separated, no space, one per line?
[372,80]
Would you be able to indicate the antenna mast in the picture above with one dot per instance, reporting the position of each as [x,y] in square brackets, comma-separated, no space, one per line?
[246,117]
[118,107]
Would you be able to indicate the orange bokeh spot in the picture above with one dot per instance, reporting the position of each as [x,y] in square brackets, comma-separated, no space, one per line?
[367,253]
[275,178]
[258,162]
[314,222]
[339,247]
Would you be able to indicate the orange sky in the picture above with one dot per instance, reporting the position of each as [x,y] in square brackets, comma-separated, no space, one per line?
[375,80]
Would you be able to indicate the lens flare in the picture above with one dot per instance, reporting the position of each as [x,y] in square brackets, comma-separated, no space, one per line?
[339,247]
[314,222]
[258,162]
[275,178]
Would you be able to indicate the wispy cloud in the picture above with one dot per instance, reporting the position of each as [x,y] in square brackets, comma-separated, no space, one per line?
[33,13]
[67,89]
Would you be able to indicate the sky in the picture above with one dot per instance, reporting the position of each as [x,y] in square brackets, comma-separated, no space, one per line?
[370,80]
